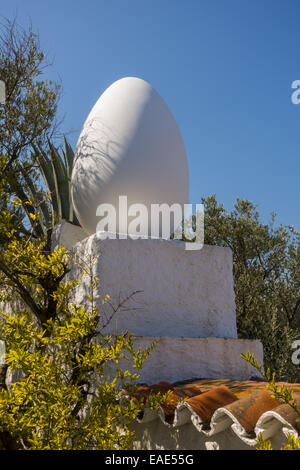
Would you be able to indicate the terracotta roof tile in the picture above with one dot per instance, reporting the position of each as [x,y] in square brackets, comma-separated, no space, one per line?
[207,403]
[247,410]
[213,405]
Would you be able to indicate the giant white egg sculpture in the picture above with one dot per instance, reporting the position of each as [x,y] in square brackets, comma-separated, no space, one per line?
[130,145]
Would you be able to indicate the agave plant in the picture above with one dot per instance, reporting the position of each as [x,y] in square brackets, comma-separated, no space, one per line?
[56,171]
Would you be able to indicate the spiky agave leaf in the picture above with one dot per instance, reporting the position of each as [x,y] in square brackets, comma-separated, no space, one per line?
[39,199]
[69,158]
[47,172]
[69,161]
[61,182]
[56,172]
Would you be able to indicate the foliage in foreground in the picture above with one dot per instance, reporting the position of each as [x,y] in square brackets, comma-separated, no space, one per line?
[66,373]
[59,402]
[61,398]
[283,394]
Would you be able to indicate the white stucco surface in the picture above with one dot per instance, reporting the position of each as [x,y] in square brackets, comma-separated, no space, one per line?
[179,293]
[130,145]
[179,359]
[157,435]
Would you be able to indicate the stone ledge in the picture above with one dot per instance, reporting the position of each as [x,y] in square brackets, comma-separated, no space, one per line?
[178,359]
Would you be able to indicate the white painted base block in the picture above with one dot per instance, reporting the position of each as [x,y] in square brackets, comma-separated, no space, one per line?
[185,301]
[180,292]
[179,359]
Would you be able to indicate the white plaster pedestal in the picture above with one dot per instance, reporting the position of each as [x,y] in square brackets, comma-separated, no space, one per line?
[185,300]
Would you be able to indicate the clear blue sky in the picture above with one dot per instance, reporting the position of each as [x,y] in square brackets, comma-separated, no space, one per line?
[225,69]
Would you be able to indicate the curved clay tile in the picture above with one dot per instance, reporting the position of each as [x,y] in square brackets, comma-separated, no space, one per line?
[212,407]
[207,403]
[283,416]
[247,410]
